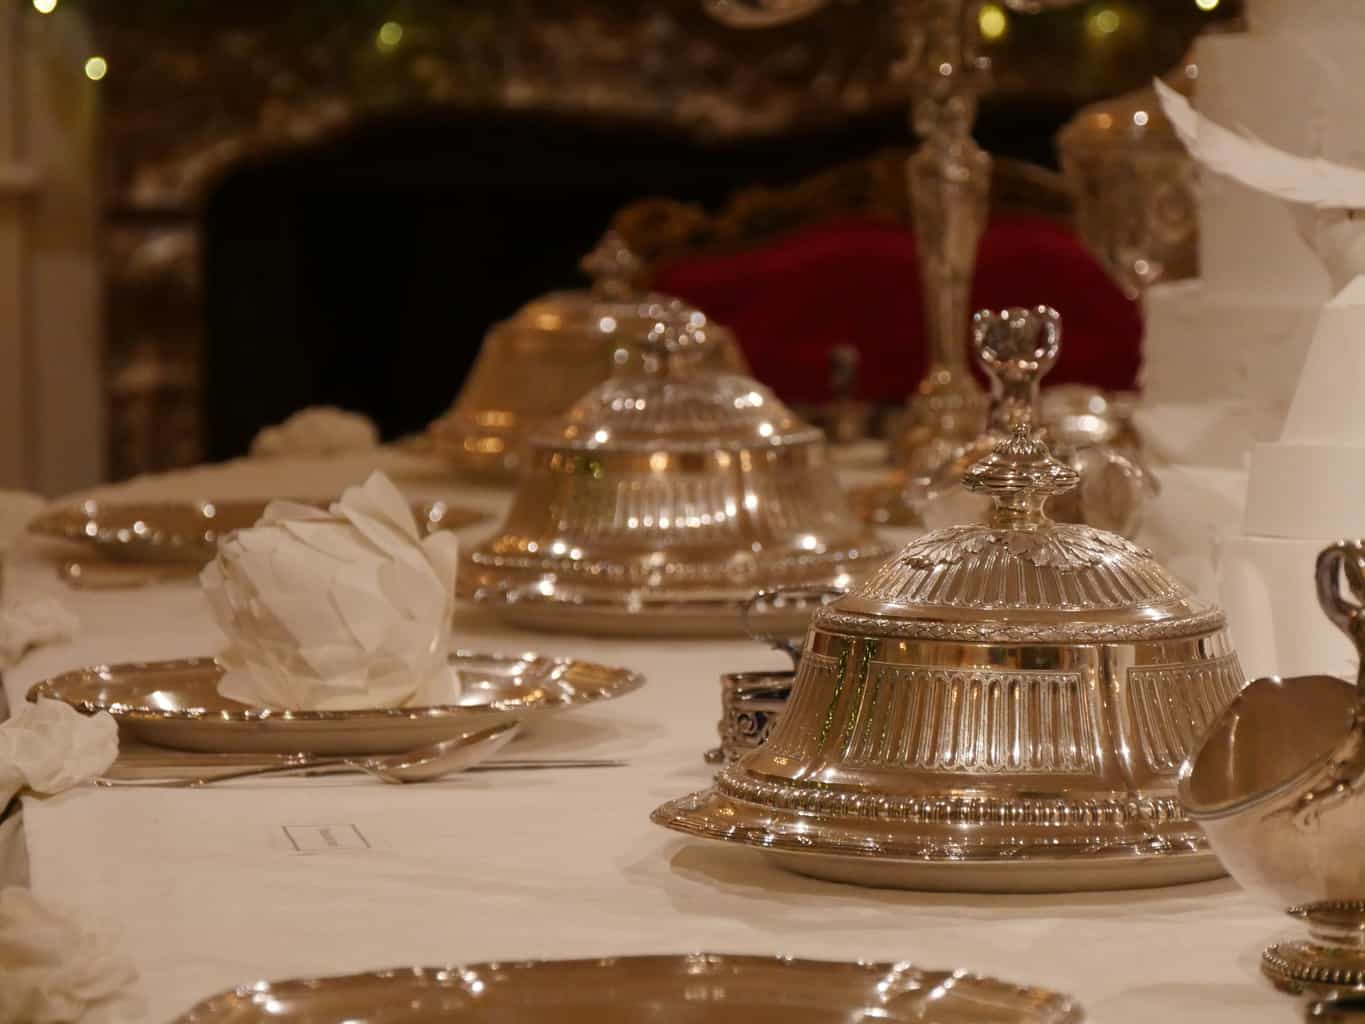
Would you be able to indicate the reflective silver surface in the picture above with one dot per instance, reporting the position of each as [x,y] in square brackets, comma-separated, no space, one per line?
[750,705]
[177,704]
[422,764]
[685,989]
[535,365]
[663,500]
[1278,783]
[1086,429]
[999,707]
[152,766]
[182,532]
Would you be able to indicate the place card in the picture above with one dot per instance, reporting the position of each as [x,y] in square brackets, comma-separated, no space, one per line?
[324,838]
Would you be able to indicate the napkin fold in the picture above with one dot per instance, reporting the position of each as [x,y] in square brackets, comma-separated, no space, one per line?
[16,509]
[317,430]
[33,624]
[55,967]
[338,610]
[48,746]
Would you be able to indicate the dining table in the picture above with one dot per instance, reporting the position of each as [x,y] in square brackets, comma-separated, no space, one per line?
[208,888]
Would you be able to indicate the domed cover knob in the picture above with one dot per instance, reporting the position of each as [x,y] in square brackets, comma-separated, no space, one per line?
[612,266]
[1020,475]
[1016,347]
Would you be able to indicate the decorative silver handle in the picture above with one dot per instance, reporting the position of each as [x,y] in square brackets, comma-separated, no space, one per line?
[791,648]
[1344,562]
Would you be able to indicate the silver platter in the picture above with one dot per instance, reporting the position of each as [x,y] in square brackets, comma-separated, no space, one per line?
[188,531]
[177,704]
[686,989]
[819,849]
[573,610]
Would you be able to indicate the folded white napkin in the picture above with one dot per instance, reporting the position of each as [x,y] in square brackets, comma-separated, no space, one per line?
[55,967]
[33,624]
[318,430]
[16,509]
[49,746]
[337,610]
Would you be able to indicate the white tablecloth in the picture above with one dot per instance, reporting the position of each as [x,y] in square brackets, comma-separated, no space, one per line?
[209,893]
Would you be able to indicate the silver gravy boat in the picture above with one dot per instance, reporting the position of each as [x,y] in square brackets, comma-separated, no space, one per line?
[1278,784]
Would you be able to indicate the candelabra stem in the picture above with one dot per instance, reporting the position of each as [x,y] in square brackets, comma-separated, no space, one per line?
[949,178]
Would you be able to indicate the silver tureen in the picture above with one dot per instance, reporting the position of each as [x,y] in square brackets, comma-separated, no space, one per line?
[664,499]
[1000,707]
[537,363]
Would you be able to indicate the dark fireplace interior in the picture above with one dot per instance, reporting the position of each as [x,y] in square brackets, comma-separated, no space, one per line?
[364,272]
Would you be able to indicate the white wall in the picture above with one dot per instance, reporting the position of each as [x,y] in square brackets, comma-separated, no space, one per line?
[52,415]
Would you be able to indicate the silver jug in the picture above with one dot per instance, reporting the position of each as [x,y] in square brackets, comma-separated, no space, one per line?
[1278,784]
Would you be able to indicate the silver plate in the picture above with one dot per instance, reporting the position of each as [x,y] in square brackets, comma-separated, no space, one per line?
[188,531]
[177,704]
[820,849]
[689,989]
[566,610]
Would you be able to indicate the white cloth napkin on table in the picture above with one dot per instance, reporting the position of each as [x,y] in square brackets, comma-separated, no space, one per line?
[32,624]
[48,746]
[338,610]
[16,509]
[55,967]
[318,430]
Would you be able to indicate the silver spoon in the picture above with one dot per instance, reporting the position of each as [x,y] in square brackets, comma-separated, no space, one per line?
[420,765]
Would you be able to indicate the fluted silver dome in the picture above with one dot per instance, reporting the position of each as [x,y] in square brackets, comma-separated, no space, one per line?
[999,707]
[534,365]
[664,499]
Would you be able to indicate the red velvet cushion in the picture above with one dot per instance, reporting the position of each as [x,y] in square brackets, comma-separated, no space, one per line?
[858,282]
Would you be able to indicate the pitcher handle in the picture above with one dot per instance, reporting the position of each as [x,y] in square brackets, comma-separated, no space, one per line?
[791,648]
[1344,561]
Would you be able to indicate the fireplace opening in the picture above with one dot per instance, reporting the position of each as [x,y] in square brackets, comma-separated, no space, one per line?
[363,272]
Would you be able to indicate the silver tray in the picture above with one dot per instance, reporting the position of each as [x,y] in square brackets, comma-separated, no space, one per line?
[177,704]
[188,531]
[569,609]
[689,989]
[820,849]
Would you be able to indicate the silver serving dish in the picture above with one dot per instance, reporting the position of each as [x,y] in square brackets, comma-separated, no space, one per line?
[187,531]
[663,499]
[1091,431]
[177,704]
[536,364]
[1278,784]
[687,989]
[1000,707]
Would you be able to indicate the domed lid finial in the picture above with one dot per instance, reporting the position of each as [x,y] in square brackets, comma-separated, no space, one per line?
[1016,347]
[670,346]
[613,267]
[1020,475]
